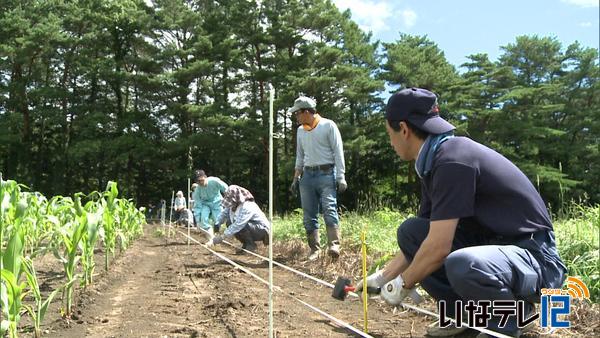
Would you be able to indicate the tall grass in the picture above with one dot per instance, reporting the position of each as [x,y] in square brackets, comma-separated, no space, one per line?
[380,225]
[577,234]
[577,238]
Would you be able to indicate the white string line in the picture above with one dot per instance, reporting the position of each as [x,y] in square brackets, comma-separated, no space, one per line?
[277,288]
[408,306]
[315,279]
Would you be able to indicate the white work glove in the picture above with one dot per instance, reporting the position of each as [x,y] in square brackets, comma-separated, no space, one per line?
[211,237]
[375,280]
[393,293]
[342,185]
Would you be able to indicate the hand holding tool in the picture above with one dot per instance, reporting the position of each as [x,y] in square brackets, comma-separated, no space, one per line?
[342,287]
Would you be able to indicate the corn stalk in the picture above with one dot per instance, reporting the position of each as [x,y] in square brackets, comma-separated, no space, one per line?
[92,219]
[11,291]
[12,209]
[109,205]
[71,239]
[41,306]
[28,221]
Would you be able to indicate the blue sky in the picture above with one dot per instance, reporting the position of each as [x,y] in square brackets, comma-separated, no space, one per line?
[464,27]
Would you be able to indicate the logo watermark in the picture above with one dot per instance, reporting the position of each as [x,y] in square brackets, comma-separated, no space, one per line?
[554,303]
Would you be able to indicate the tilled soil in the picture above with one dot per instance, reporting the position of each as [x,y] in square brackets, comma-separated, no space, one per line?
[162,287]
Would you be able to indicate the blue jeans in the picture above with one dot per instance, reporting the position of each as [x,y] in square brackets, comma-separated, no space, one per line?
[203,212]
[318,193]
[484,268]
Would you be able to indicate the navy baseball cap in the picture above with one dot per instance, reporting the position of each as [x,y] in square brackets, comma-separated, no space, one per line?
[419,107]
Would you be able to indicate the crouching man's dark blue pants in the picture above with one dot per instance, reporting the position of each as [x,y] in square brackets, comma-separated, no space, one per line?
[484,268]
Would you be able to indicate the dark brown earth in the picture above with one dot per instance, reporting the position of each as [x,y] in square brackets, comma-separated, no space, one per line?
[161,287]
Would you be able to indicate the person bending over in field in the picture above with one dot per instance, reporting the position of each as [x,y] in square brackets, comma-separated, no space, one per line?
[245,221]
[207,201]
[482,232]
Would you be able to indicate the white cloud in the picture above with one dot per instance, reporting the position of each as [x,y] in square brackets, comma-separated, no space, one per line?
[585,24]
[376,15]
[582,3]
[409,17]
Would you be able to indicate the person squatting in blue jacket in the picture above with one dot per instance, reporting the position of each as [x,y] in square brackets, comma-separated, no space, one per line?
[482,233]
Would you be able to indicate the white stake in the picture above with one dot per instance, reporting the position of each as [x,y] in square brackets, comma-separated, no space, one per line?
[163,208]
[171,213]
[271,97]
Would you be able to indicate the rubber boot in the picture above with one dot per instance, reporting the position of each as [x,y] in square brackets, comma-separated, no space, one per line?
[265,238]
[313,243]
[333,241]
[245,237]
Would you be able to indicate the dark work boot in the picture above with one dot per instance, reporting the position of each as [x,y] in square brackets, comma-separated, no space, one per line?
[333,241]
[245,237]
[265,238]
[313,243]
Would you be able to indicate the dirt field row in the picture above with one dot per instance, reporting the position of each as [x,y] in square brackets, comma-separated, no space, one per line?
[161,287]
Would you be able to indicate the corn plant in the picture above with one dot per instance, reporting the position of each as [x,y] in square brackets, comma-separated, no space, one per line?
[28,221]
[11,291]
[130,222]
[71,237]
[38,312]
[44,224]
[12,208]
[92,219]
[35,224]
[109,205]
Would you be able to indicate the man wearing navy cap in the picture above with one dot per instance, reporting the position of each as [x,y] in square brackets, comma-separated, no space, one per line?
[318,171]
[482,232]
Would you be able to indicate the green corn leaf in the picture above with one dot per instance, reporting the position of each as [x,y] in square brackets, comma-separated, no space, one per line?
[58,256]
[15,294]
[44,307]
[21,208]
[6,205]
[4,324]
[11,259]
[31,277]
[29,310]
[78,208]
[3,299]
[53,219]
[93,222]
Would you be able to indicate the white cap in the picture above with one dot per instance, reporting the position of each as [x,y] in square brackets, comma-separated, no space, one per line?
[303,102]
